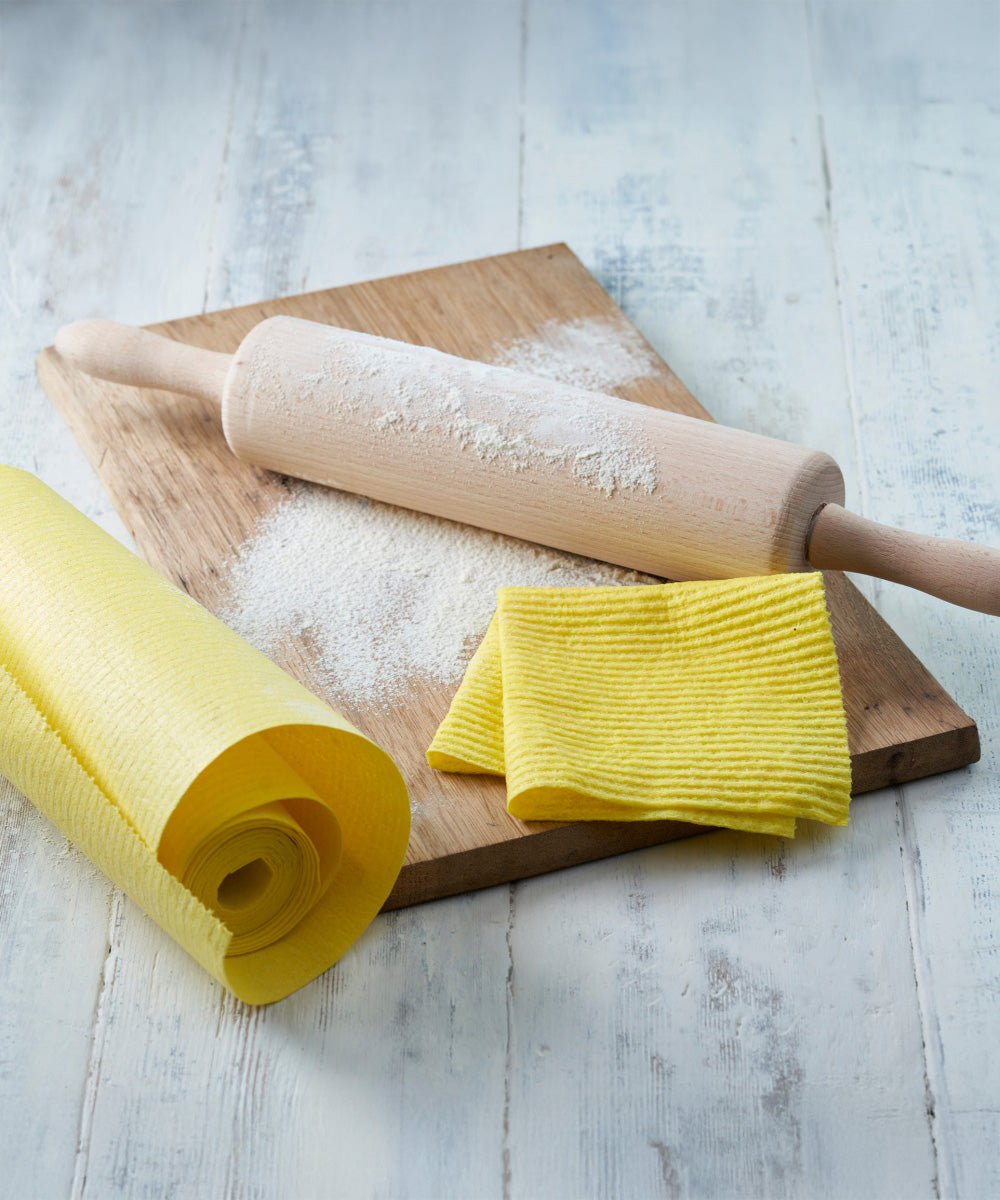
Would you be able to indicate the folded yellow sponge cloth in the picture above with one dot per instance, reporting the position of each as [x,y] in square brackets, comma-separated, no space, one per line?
[713,702]
[252,822]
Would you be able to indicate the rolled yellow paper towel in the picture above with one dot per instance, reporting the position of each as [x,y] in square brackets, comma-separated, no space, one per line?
[253,823]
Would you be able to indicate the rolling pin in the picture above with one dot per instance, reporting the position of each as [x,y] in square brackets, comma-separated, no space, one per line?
[671,495]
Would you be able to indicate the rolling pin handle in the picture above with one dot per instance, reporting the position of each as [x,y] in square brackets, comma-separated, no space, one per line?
[960,572]
[124,354]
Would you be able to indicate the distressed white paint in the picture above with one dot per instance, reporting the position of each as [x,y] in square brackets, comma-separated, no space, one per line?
[796,201]
[913,139]
[342,159]
[717,234]
[91,223]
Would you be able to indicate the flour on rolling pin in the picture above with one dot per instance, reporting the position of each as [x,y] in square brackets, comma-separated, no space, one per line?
[418,394]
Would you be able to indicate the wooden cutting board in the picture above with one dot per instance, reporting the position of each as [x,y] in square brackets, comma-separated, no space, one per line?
[189,504]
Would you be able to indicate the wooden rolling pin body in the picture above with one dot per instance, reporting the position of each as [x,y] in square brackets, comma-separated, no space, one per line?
[596,475]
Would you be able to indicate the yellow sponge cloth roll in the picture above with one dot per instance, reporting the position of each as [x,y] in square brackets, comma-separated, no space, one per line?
[717,703]
[253,823]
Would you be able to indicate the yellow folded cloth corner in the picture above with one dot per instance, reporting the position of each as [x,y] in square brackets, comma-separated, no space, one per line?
[717,703]
[254,824]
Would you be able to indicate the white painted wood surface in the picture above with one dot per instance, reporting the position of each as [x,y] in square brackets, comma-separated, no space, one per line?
[797,202]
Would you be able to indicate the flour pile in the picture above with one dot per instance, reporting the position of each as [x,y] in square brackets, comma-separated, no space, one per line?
[386,599]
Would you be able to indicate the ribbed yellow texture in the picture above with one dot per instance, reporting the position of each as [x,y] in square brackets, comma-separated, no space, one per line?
[717,703]
[253,823]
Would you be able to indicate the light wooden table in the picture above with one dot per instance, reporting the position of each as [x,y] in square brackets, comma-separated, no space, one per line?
[797,202]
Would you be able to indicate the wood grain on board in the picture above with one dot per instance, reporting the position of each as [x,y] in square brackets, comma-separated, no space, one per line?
[189,504]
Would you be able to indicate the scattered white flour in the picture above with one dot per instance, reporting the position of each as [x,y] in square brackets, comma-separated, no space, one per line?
[385,598]
[593,353]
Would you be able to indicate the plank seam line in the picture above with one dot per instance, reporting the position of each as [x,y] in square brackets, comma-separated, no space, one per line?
[831,241]
[522,101]
[930,1039]
[508,1046]
[92,1083]
[224,164]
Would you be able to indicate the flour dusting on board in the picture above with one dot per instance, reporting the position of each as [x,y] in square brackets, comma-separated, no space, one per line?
[591,353]
[387,598]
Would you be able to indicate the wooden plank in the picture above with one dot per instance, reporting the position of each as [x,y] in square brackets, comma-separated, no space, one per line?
[913,151]
[726,1016]
[87,191]
[189,504]
[341,160]
[362,139]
